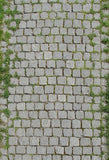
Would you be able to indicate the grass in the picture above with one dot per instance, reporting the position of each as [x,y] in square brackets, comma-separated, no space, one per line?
[105,109]
[106,50]
[92,43]
[104,129]
[107,60]
[6,112]
[105,41]
[105,6]
[91,36]
[5,61]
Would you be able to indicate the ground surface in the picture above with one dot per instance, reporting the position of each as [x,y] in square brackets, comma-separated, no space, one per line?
[58,77]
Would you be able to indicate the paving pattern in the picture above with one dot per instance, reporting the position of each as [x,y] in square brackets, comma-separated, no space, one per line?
[58,69]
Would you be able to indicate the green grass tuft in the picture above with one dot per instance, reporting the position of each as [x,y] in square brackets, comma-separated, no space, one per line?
[6,112]
[105,41]
[105,6]
[91,36]
[105,109]
[5,59]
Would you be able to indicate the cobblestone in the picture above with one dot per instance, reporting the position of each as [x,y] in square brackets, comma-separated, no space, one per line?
[50,102]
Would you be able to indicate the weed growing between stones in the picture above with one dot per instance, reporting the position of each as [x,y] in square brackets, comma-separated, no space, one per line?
[5,11]
[3,70]
[105,108]
[104,30]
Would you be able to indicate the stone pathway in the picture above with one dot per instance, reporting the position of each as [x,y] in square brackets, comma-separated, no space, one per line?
[58,77]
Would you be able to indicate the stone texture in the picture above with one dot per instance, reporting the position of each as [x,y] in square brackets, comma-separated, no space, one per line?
[57,71]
